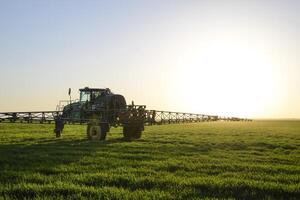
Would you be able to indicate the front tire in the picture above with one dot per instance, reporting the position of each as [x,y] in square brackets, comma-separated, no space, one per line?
[96,132]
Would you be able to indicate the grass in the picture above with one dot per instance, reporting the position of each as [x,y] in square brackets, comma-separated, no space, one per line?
[209,160]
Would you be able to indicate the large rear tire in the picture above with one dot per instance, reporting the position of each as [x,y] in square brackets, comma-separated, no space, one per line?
[96,132]
[137,133]
[126,132]
[132,131]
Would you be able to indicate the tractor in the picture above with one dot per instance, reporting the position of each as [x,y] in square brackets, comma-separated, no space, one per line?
[102,109]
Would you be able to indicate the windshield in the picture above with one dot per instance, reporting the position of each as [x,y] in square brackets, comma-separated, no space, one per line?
[89,95]
[85,96]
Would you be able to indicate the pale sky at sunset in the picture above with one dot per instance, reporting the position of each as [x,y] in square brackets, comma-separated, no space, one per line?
[233,58]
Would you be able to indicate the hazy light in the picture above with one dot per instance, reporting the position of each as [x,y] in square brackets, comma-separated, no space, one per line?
[227,77]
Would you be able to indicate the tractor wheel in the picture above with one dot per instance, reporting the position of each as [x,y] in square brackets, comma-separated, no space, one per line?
[137,134]
[138,128]
[132,131]
[126,131]
[95,132]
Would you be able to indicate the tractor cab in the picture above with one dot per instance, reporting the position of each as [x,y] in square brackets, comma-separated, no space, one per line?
[90,94]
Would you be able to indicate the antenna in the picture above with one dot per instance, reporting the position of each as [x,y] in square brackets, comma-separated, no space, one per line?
[70,95]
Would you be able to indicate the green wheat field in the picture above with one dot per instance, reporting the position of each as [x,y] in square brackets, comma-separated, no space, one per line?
[208,160]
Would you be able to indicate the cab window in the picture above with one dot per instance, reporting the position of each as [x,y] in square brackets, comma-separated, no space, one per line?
[85,96]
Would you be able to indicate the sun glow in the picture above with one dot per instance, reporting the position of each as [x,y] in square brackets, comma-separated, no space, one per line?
[227,78]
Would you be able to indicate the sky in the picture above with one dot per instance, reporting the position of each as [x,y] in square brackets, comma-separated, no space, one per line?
[224,57]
